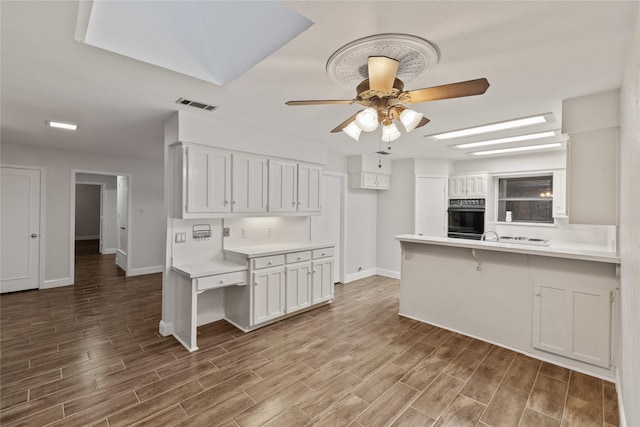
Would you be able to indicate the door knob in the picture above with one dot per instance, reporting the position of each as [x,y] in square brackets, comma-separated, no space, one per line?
[34,235]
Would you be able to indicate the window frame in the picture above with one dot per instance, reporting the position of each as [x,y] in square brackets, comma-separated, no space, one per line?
[529,174]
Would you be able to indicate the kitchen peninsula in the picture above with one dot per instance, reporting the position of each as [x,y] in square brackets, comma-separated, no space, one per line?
[553,303]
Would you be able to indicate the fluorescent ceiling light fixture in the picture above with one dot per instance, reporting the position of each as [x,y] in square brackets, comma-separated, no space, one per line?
[61,125]
[516,149]
[510,124]
[506,140]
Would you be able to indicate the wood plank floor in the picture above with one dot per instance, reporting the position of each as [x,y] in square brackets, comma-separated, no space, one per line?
[90,354]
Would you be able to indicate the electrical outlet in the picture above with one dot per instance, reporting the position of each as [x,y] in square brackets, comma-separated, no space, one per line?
[269,231]
[595,232]
[181,237]
[226,231]
[245,233]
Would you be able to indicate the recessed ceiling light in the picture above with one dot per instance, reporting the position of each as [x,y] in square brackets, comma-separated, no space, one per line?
[61,125]
[516,149]
[506,140]
[510,124]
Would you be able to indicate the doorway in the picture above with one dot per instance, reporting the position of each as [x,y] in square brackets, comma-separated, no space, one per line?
[431,206]
[21,242]
[100,211]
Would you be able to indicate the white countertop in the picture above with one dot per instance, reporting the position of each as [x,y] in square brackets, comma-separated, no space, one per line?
[207,268]
[553,250]
[274,249]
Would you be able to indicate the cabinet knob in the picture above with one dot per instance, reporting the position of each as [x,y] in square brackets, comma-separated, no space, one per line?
[293,204]
[255,284]
[234,202]
[221,281]
[322,253]
[34,235]
[299,258]
[269,263]
[537,294]
[226,202]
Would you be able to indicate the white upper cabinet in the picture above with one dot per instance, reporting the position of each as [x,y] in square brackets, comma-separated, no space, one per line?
[249,184]
[468,185]
[309,188]
[283,186]
[370,171]
[207,181]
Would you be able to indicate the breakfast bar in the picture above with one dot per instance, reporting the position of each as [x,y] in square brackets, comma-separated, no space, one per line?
[551,302]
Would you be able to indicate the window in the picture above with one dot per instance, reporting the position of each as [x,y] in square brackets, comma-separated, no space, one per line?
[528,198]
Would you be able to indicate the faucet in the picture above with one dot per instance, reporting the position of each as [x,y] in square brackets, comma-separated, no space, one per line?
[484,235]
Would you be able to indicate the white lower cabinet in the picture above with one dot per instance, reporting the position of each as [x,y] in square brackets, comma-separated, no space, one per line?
[298,279]
[573,321]
[288,282]
[322,280]
[268,294]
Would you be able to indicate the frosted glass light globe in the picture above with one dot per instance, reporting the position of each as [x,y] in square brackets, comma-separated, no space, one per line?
[367,119]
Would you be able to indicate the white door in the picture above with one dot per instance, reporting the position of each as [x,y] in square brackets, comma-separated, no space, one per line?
[20,218]
[123,221]
[431,206]
[333,209]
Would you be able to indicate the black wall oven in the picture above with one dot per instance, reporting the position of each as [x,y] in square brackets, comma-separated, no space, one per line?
[466,218]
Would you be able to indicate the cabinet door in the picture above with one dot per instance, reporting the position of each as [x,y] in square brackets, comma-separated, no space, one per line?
[573,321]
[457,186]
[249,184]
[322,282]
[476,186]
[309,194]
[283,186]
[207,180]
[298,278]
[369,180]
[383,182]
[268,294]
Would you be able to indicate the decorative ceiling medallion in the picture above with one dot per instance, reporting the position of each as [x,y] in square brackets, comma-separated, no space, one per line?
[417,57]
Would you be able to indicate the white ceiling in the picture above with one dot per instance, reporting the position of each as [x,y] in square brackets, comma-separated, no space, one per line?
[534,54]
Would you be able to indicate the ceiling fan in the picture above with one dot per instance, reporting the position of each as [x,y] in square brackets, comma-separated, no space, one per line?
[383,94]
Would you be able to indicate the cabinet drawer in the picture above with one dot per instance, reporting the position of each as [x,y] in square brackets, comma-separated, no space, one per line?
[322,253]
[298,257]
[221,280]
[268,261]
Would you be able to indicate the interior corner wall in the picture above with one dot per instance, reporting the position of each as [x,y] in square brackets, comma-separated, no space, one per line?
[396,215]
[629,340]
[146,222]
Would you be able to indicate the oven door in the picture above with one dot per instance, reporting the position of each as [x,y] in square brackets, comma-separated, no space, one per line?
[466,223]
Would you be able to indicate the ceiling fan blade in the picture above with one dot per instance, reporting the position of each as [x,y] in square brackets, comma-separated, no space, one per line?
[345,123]
[382,73]
[452,90]
[321,102]
[423,122]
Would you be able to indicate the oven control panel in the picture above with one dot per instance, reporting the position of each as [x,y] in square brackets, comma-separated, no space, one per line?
[466,203]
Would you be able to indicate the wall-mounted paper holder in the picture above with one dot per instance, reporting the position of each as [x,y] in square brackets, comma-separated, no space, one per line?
[201,231]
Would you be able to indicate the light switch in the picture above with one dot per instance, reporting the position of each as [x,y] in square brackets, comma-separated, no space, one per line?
[181,237]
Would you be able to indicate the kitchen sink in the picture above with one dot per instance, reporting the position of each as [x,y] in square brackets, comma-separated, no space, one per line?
[522,240]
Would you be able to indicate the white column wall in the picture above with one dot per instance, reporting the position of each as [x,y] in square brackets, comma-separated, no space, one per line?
[629,349]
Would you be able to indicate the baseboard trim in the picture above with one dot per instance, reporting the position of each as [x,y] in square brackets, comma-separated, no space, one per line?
[145,270]
[165,328]
[88,237]
[359,275]
[56,283]
[109,251]
[388,273]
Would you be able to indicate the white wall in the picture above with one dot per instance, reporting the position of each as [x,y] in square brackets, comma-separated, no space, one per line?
[629,365]
[109,220]
[525,162]
[87,211]
[396,215]
[361,224]
[147,223]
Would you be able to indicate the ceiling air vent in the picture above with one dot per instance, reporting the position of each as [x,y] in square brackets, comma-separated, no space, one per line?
[196,104]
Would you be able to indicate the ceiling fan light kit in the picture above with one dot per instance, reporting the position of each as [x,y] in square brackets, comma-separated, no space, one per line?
[387,57]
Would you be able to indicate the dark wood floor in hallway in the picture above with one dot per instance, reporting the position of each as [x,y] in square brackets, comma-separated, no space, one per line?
[90,354]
